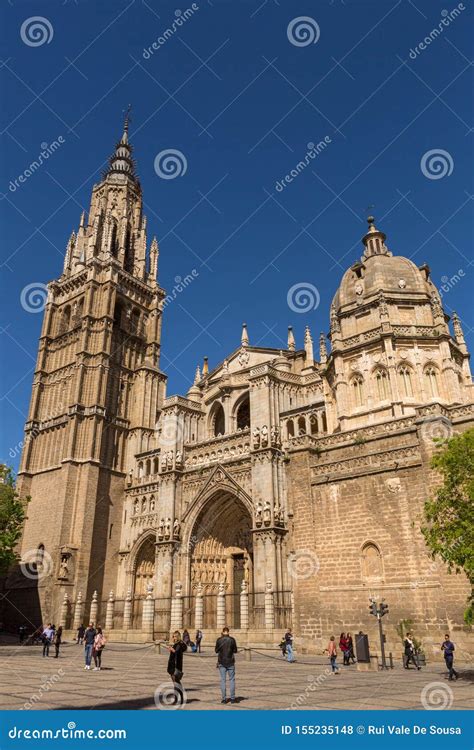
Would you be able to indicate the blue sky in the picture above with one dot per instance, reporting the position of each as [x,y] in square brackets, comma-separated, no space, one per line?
[232,91]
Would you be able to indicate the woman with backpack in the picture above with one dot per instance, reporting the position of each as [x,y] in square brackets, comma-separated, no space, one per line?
[99,645]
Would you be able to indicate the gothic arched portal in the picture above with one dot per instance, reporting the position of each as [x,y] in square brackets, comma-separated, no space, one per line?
[144,566]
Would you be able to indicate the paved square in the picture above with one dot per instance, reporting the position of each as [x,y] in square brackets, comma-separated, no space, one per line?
[131,674]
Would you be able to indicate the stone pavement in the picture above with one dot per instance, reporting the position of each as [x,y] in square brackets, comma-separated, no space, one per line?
[131,675]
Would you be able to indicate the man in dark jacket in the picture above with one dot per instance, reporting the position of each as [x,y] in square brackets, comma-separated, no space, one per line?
[175,664]
[410,652]
[226,647]
[448,649]
[89,637]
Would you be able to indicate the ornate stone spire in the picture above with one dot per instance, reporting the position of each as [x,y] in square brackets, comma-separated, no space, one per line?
[121,161]
[205,367]
[154,253]
[323,352]
[245,336]
[291,339]
[374,241]
[458,332]
[197,376]
[308,348]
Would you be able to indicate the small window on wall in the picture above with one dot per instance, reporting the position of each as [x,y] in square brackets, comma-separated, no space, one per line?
[383,387]
[431,380]
[357,385]
[290,429]
[219,421]
[406,381]
[372,569]
[243,414]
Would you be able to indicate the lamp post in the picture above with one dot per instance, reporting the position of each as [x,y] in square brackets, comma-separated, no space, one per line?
[378,611]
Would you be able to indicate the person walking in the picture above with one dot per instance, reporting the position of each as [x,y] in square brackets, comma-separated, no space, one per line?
[198,640]
[344,646]
[99,645]
[350,649]
[332,651]
[288,638]
[47,638]
[175,664]
[57,641]
[410,652]
[186,637]
[80,634]
[89,637]
[448,648]
[226,648]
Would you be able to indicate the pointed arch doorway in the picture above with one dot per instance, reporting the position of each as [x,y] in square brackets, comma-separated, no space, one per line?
[222,553]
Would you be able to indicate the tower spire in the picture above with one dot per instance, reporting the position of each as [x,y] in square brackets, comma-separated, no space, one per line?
[323,352]
[244,339]
[374,240]
[291,339]
[308,348]
[121,161]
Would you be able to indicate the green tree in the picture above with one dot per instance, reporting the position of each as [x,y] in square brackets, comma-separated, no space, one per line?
[12,515]
[449,530]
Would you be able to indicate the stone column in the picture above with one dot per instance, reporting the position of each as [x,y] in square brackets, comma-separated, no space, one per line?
[94,608]
[177,609]
[148,614]
[244,607]
[199,608]
[127,611]
[221,606]
[78,611]
[269,608]
[64,610]
[109,612]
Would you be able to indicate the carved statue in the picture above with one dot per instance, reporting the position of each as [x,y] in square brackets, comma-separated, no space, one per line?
[258,514]
[179,458]
[256,437]
[63,569]
[275,435]
[267,514]
[264,435]
[161,529]
[176,528]
[277,513]
[169,459]
[168,528]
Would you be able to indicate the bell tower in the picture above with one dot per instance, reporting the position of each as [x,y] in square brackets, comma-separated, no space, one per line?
[97,389]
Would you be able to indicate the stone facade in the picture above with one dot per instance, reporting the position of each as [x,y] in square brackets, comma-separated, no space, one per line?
[280,487]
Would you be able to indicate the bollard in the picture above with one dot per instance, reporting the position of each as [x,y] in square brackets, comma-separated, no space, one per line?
[127,611]
[221,606]
[244,607]
[247,653]
[78,612]
[148,614]
[199,608]
[64,610]
[109,612]
[94,608]
[269,608]
[177,609]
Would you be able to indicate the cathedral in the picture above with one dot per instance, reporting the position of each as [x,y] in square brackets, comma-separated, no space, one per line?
[285,488]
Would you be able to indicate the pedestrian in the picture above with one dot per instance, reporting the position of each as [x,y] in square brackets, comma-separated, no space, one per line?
[47,638]
[186,637]
[80,634]
[22,633]
[226,648]
[410,652]
[344,646]
[175,664]
[332,651]
[57,641]
[99,645]
[447,647]
[288,638]
[89,637]
[197,640]
[350,648]
[282,646]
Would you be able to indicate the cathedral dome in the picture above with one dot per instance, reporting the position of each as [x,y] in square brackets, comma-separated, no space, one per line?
[379,270]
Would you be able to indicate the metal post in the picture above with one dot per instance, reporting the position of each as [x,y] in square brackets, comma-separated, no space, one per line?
[382,646]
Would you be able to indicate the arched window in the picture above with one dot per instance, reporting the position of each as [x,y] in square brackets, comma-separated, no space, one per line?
[371,562]
[301,426]
[218,420]
[405,380]
[140,470]
[148,467]
[290,429]
[65,319]
[155,466]
[243,414]
[383,386]
[357,384]
[314,424]
[431,380]
[135,322]
[39,556]
[325,424]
